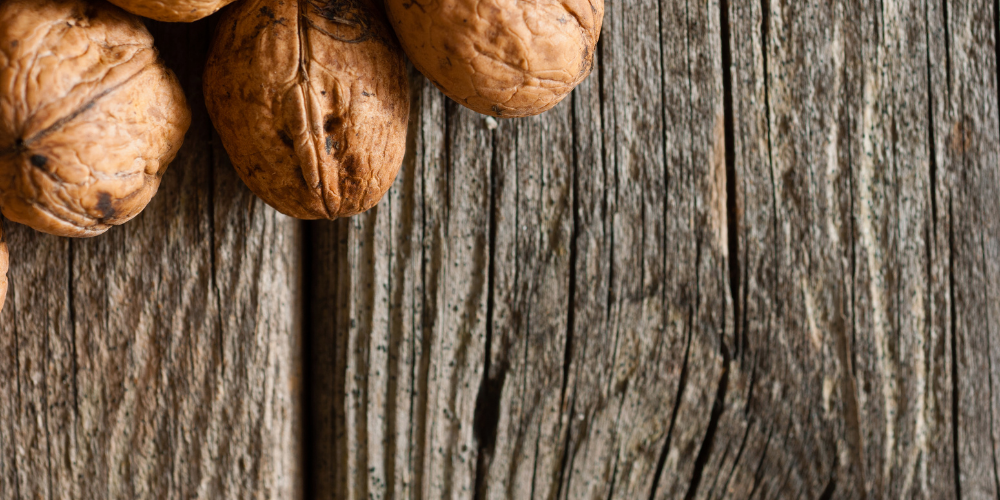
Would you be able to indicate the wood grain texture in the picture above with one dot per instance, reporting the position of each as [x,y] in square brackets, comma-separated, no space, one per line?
[755,255]
[752,256]
[160,360]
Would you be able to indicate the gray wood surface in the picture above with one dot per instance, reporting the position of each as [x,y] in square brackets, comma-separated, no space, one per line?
[755,255]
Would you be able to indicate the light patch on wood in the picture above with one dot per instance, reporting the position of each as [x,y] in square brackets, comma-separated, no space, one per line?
[961,138]
[832,153]
[829,384]
[815,335]
[920,412]
[873,253]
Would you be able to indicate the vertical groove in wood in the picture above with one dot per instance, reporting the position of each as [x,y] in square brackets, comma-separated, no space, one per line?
[970,124]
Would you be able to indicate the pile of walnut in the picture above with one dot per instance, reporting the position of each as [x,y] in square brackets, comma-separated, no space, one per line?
[310,97]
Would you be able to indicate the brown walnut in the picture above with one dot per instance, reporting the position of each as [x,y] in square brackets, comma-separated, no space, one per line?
[89,116]
[311,100]
[504,58]
[172,11]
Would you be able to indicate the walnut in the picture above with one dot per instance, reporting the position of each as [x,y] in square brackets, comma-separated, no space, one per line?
[172,10]
[500,57]
[311,100]
[89,116]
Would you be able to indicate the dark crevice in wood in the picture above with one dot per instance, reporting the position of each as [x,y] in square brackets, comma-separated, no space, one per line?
[608,217]
[213,269]
[930,131]
[421,375]
[753,383]
[12,304]
[562,482]
[931,228]
[989,366]
[846,341]
[726,448]
[947,45]
[72,330]
[44,409]
[571,296]
[392,371]
[732,217]
[681,385]
[682,380]
[758,472]
[614,477]
[486,415]
[765,27]
[573,256]
[954,351]
[831,488]
[701,460]
[534,466]
[450,108]
[846,346]
[739,454]
[750,421]
[310,449]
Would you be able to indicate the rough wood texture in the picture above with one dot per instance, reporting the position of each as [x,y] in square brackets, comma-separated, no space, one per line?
[160,360]
[755,255]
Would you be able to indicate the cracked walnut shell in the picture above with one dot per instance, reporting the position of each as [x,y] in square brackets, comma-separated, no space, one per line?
[504,58]
[311,100]
[172,11]
[89,115]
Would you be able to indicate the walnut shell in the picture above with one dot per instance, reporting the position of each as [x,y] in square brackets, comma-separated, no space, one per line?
[503,58]
[172,11]
[311,100]
[89,116]
[3,267]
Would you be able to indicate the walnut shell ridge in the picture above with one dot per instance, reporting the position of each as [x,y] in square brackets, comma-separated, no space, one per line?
[505,58]
[172,11]
[89,116]
[311,101]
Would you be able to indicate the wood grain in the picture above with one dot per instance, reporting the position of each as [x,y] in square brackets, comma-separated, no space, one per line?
[741,261]
[756,254]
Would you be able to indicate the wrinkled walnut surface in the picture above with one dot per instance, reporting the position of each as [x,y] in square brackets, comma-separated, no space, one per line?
[172,10]
[3,267]
[504,58]
[311,100]
[89,116]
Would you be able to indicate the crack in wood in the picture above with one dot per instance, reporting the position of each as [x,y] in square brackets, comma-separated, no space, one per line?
[701,459]
[989,372]
[732,215]
[954,351]
[681,385]
[486,416]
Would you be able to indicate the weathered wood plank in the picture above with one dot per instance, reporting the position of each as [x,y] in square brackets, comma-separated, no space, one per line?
[162,359]
[755,255]
[756,299]
[972,182]
[533,220]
